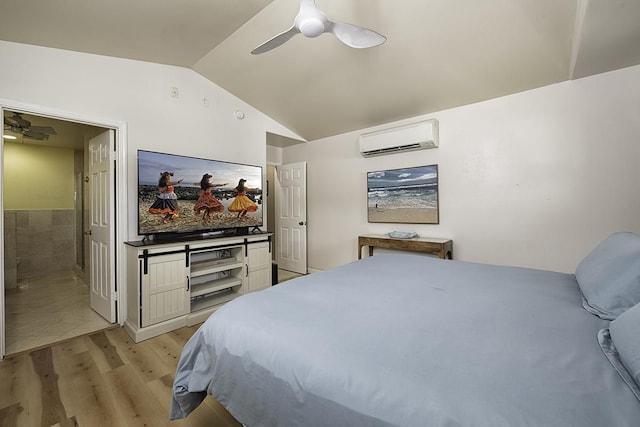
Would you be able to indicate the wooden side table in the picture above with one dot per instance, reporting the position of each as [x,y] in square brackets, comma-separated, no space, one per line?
[441,247]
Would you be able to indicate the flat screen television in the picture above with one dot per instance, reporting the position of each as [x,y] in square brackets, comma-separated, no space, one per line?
[180,203]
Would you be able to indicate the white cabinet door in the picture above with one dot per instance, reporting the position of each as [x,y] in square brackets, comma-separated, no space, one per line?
[258,266]
[165,288]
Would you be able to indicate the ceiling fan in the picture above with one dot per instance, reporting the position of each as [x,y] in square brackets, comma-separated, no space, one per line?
[18,124]
[311,22]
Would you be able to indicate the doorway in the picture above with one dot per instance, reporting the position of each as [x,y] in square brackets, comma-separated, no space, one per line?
[44,231]
[287,207]
[291,214]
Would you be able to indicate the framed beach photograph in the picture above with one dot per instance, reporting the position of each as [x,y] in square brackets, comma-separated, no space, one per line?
[407,195]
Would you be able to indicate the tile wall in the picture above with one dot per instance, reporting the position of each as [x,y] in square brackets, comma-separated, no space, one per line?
[38,242]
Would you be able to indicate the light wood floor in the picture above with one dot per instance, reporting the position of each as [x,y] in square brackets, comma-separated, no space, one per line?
[102,379]
[99,379]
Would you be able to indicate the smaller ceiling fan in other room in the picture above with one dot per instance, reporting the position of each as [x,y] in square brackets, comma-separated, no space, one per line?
[311,22]
[18,124]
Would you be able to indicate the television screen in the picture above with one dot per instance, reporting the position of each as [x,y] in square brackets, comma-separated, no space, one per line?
[180,194]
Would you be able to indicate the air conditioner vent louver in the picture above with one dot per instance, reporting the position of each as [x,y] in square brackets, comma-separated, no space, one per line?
[389,150]
[416,136]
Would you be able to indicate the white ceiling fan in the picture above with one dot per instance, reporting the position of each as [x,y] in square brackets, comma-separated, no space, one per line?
[311,22]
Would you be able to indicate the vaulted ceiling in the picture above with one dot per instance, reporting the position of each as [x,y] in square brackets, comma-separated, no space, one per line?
[439,53]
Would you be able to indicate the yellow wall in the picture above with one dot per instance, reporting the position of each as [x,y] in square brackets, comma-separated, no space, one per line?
[37,177]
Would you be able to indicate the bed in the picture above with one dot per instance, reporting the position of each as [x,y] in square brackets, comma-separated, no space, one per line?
[408,340]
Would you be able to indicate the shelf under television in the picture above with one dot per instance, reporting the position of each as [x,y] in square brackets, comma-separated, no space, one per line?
[202,268]
[202,303]
[214,286]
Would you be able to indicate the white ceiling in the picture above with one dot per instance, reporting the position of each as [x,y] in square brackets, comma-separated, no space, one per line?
[439,53]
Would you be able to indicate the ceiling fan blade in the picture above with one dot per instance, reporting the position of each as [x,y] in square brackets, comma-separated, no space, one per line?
[8,121]
[17,118]
[35,135]
[43,129]
[355,36]
[276,41]
[311,22]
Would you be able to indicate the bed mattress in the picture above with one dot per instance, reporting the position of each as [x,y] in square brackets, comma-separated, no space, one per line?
[408,340]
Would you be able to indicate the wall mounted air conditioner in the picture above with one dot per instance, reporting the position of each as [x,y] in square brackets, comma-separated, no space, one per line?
[414,136]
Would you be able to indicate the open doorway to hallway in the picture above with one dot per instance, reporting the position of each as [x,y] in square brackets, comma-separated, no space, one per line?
[45,212]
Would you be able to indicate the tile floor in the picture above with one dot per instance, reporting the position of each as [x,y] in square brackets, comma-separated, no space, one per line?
[52,308]
[47,309]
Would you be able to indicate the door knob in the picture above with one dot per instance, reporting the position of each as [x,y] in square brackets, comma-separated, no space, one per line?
[301,223]
[88,233]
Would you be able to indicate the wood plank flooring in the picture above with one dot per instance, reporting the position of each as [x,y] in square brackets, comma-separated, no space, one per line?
[101,379]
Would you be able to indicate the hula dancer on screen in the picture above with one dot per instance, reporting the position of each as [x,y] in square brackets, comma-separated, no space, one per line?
[242,204]
[207,203]
[166,202]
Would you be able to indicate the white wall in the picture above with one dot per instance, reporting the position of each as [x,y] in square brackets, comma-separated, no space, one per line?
[534,179]
[137,93]
[274,155]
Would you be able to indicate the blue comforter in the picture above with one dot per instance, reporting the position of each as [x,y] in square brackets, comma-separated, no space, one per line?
[408,340]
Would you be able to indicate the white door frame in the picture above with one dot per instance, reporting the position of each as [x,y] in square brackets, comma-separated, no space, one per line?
[120,199]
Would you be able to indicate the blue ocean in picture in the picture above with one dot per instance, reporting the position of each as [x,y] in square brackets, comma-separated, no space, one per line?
[419,196]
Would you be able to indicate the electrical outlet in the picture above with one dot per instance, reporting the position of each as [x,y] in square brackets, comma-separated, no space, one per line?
[173,92]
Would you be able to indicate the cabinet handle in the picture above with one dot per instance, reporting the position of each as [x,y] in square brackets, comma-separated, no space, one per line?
[246,273]
[188,284]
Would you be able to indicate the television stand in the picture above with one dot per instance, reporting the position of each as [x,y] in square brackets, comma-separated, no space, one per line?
[191,279]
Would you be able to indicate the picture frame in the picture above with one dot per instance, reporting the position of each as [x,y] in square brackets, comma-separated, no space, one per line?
[405,195]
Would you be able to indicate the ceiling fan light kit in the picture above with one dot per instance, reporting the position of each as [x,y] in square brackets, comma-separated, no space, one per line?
[311,22]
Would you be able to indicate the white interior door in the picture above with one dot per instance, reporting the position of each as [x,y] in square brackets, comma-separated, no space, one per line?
[291,231]
[101,225]
[2,318]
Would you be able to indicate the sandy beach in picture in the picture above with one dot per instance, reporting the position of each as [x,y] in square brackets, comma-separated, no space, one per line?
[188,176]
[408,215]
[150,223]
